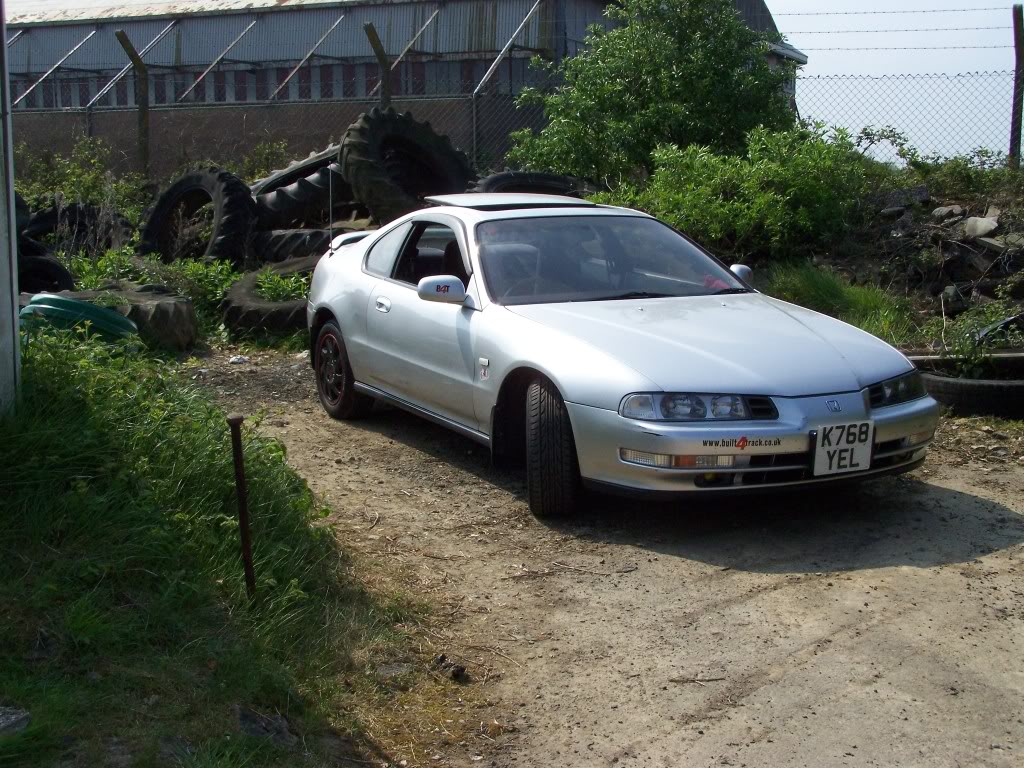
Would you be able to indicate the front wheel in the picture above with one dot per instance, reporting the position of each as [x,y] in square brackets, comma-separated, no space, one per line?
[334,379]
[552,467]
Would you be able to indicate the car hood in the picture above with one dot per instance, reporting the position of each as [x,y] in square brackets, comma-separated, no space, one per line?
[746,344]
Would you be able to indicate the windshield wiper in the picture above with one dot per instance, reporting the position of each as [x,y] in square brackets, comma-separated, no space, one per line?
[730,291]
[632,295]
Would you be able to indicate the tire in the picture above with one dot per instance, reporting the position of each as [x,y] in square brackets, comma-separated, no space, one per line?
[285,244]
[79,227]
[334,378]
[296,170]
[552,466]
[537,183]
[245,311]
[392,161]
[233,216]
[22,214]
[978,397]
[38,274]
[309,201]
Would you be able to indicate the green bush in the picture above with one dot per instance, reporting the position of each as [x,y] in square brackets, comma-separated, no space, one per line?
[677,72]
[84,177]
[870,308]
[121,587]
[789,192]
[273,287]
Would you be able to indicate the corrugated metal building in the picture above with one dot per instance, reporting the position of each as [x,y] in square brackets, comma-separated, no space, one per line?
[258,45]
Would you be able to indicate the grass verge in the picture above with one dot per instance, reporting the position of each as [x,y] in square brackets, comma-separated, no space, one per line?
[870,308]
[127,630]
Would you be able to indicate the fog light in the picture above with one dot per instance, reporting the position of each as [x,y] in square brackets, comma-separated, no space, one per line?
[703,462]
[920,437]
[645,459]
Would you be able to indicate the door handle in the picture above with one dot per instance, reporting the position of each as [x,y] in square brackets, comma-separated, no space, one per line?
[383,304]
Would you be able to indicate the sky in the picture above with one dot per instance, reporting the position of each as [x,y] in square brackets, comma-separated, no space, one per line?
[858,88]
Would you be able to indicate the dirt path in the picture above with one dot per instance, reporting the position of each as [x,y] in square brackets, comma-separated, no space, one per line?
[883,626]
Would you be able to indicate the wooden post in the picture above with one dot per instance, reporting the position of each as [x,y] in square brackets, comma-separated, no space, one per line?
[141,97]
[1018,85]
[382,62]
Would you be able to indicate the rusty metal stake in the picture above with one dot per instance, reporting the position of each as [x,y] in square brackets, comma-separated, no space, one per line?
[235,422]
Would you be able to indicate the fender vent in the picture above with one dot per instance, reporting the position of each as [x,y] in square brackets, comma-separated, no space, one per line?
[762,408]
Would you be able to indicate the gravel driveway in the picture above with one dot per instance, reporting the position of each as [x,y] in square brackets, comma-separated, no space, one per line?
[874,626]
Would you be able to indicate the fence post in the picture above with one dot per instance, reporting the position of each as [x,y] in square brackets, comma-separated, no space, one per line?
[1018,85]
[473,105]
[141,98]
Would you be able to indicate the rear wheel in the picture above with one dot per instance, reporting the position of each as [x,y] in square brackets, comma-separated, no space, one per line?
[552,467]
[334,379]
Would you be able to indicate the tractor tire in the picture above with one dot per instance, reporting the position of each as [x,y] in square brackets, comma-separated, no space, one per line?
[245,311]
[39,274]
[22,212]
[309,201]
[392,162]
[1003,398]
[299,169]
[233,216]
[285,244]
[78,227]
[536,183]
[552,467]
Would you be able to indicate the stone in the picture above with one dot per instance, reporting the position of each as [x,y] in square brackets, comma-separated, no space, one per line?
[946,212]
[275,727]
[238,360]
[908,197]
[993,213]
[1014,240]
[993,244]
[893,213]
[388,671]
[952,300]
[979,227]
[13,720]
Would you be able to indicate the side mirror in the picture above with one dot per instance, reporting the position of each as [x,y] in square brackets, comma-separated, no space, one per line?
[743,272]
[444,289]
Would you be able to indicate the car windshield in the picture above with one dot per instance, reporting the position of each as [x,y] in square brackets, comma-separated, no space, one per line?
[553,259]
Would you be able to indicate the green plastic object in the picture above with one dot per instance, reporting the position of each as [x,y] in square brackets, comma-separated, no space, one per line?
[65,312]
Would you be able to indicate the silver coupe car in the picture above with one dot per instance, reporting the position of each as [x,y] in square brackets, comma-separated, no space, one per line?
[603,349]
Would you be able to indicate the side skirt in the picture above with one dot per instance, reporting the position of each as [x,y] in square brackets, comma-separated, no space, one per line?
[444,421]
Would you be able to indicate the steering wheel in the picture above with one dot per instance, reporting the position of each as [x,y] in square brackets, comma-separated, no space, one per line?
[535,283]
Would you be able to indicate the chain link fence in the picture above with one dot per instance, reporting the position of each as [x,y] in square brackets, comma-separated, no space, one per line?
[942,115]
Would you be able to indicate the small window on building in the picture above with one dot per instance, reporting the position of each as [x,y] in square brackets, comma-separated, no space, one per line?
[121,93]
[326,81]
[305,82]
[241,86]
[220,86]
[160,89]
[282,75]
[84,93]
[418,74]
[199,92]
[348,80]
[262,92]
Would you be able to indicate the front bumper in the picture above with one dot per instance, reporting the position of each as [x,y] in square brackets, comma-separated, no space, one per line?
[776,453]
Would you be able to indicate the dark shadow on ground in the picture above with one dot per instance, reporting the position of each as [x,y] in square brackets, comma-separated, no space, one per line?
[898,521]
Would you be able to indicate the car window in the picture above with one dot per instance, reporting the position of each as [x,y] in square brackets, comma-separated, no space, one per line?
[432,250]
[383,253]
[594,258]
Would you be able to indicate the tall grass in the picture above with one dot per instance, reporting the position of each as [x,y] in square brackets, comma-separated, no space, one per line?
[870,308]
[121,590]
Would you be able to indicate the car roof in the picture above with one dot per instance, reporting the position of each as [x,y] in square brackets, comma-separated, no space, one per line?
[508,201]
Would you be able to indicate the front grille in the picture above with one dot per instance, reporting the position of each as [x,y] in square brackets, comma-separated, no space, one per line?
[762,408]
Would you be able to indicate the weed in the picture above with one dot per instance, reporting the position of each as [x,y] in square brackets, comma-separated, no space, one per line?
[274,287]
[868,307]
[125,612]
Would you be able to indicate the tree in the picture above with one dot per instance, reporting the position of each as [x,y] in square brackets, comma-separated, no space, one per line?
[671,72]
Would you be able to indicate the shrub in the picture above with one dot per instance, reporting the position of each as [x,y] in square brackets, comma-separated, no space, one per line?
[870,308]
[789,192]
[274,287]
[677,72]
[84,177]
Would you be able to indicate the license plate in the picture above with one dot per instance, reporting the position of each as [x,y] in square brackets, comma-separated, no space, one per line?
[840,448]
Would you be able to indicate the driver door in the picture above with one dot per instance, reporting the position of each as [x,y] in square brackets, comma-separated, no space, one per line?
[425,349]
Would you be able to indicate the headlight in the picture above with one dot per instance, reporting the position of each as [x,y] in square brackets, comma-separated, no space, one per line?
[684,406]
[900,389]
